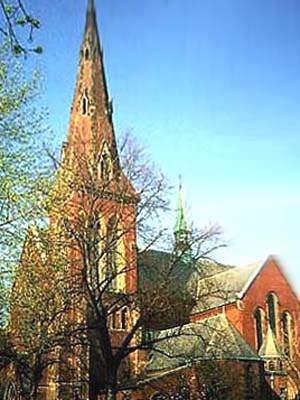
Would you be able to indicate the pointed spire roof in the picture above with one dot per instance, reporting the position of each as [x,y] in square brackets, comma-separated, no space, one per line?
[91,137]
[269,347]
[181,220]
[91,124]
[91,21]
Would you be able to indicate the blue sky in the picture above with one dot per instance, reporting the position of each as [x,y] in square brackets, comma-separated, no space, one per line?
[212,88]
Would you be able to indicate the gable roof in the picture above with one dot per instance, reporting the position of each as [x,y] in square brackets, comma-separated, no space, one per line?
[214,338]
[154,264]
[225,287]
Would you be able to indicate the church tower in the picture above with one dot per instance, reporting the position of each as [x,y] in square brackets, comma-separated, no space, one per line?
[97,212]
[90,160]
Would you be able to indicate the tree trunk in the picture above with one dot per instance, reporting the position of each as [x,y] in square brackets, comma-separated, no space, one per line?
[111,393]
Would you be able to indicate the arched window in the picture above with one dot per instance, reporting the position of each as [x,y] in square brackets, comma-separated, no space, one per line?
[84,104]
[259,326]
[114,320]
[94,233]
[124,318]
[286,321]
[105,165]
[87,54]
[272,306]
[111,253]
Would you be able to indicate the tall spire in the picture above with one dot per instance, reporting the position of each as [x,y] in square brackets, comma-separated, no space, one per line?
[91,125]
[91,143]
[181,231]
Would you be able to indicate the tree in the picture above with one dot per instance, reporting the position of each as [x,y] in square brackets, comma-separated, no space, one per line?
[21,170]
[17,25]
[98,207]
[39,310]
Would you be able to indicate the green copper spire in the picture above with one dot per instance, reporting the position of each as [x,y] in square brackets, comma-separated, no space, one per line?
[181,231]
[181,221]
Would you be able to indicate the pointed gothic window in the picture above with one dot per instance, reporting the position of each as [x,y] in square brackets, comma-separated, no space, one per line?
[105,165]
[272,306]
[84,105]
[114,320]
[93,241]
[286,321]
[259,326]
[124,318]
[87,54]
[111,254]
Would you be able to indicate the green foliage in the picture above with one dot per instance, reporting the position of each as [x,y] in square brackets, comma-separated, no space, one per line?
[22,174]
[40,305]
[17,25]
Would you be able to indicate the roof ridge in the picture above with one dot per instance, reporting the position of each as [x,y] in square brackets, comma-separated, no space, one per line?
[233,268]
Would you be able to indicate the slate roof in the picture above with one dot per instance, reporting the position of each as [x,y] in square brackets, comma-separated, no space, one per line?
[155,265]
[212,338]
[225,287]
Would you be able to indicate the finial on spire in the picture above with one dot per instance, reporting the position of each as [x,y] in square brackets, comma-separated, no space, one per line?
[180,182]
[91,6]
[181,221]
[90,16]
[181,231]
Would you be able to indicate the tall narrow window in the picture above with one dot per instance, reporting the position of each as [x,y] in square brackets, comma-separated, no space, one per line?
[272,305]
[114,320]
[111,253]
[259,321]
[105,165]
[84,105]
[87,54]
[124,318]
[286,322]
[93,239]
[93,247]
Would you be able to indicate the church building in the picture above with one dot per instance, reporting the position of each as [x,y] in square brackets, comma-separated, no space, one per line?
[126,324]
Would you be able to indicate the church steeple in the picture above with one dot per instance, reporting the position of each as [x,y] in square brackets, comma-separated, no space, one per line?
[91,50]
[91,149]
[91,132]
[181,231]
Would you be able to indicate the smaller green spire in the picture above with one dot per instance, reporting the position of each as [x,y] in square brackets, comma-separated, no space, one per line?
[181,230]
[181,221]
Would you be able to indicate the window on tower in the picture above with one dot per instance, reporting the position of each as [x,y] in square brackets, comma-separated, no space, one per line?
[105,165]
[114,320]
[111,254]
[87,54]
[94,250]
[84,105]
[124,318]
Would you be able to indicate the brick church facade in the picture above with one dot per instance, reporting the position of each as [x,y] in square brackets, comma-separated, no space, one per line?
[235,333]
